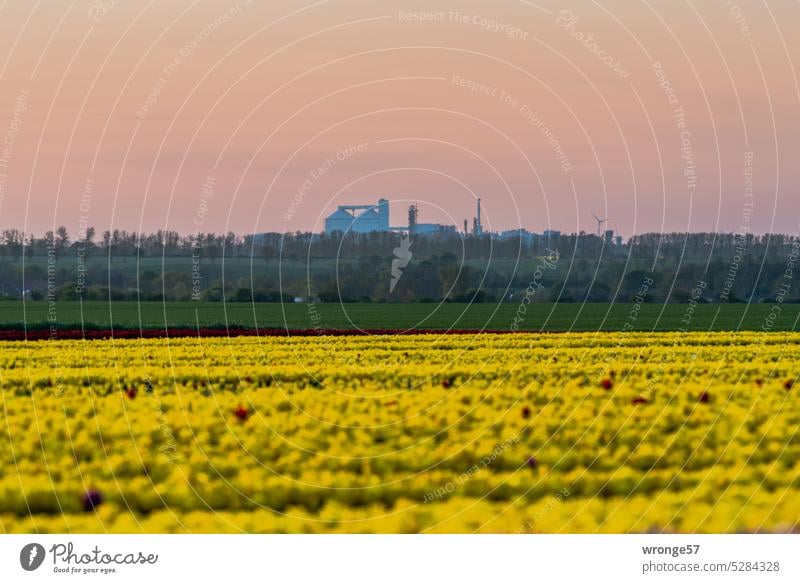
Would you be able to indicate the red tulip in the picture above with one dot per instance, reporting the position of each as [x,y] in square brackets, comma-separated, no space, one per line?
[91,499]
[607,384]
[241,413]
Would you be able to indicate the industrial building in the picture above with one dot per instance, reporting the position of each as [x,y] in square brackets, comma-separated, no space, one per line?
[375,218]
[548,237]
[359,218]
[417,228]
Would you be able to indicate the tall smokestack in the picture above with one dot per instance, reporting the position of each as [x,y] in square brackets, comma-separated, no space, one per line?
[412,219]
[478,230]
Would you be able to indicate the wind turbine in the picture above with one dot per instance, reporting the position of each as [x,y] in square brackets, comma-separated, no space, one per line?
[599,225]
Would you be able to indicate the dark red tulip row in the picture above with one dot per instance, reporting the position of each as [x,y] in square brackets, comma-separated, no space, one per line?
[123,333]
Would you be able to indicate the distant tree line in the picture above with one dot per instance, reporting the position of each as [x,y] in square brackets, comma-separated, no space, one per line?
[271,267]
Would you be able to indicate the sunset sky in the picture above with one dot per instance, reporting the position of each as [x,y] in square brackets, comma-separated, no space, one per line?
[256,116]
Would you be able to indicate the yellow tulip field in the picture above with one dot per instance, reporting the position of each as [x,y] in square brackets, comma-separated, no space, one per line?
[505,433]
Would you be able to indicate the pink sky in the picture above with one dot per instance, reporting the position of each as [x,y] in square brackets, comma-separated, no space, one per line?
[218,115]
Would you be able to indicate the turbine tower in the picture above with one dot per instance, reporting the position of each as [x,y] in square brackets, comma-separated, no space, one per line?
[600,223]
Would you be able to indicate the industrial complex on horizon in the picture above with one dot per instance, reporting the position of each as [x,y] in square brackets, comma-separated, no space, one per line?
[374,218]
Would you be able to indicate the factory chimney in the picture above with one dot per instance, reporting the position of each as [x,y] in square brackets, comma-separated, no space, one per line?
[478,229]
[413,212]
